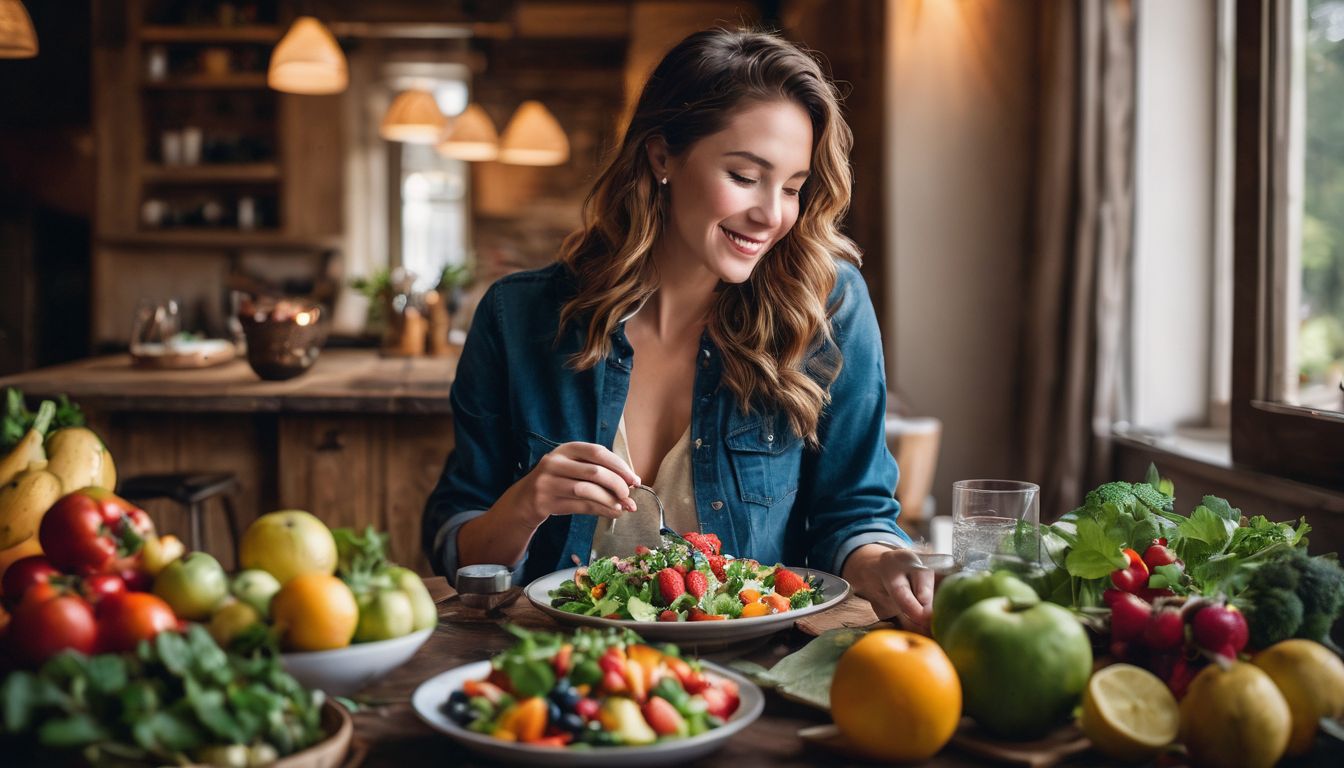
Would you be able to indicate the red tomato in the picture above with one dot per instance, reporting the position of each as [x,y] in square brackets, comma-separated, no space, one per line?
[1129,579]
[25,574]
[101,586]
[94,531]
[43,627]
[137,580]
[126,619]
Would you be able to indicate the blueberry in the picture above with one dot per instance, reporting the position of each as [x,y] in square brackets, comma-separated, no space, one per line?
[458,695]
[572,723]
[568,700]
[552,711]
[459,712]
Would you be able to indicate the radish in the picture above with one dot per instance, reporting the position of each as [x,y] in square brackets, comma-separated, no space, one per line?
[1220,628]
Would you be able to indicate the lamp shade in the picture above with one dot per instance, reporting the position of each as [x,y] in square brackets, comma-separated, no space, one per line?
[472,137]
[534,137]
[308,60]
[18,40]
[414,118]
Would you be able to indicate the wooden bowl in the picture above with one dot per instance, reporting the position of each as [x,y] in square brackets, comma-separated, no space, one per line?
[329,752]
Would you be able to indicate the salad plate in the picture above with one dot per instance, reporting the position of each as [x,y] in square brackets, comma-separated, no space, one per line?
[429,703]
[702,634]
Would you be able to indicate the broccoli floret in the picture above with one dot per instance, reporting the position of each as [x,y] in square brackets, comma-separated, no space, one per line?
[1152,498]
[1282,573]
[1321,589]
[1275,615]
[1118,493]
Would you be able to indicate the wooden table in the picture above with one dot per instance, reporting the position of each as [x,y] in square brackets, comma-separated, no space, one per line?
[389,735]
[358,440]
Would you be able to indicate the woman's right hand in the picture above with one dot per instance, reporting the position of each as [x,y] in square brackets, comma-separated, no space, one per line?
[574,479]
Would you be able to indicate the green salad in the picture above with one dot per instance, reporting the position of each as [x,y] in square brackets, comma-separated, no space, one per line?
[684,580]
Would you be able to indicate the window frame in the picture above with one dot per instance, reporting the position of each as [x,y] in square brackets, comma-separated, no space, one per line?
[1301,443]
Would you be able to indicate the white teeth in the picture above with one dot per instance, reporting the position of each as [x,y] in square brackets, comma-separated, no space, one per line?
[750,245]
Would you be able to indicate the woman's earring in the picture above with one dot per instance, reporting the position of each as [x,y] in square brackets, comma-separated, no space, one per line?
[664,182]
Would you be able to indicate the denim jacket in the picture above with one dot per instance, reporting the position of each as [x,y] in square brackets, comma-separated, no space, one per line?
[757,486]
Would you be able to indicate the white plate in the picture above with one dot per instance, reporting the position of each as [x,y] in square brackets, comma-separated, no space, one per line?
[346,670]
[703,634]
[430,697]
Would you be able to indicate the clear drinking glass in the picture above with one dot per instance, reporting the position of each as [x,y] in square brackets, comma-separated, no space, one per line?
[995,518]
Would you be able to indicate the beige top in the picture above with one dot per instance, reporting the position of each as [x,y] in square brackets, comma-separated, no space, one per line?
[673,486]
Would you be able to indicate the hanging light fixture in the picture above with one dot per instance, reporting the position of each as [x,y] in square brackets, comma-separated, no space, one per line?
[472,137]
[308,60]
[18,40]
[414,118]
[534,137]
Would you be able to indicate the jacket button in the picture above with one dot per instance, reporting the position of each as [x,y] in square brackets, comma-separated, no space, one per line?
[769,438]
[697,442]
[717,505]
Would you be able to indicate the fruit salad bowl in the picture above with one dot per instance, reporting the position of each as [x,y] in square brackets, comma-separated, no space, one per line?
[345,671]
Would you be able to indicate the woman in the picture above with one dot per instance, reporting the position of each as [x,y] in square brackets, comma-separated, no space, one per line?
[706,332]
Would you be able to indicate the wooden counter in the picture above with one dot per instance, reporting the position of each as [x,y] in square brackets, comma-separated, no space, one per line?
[360,439]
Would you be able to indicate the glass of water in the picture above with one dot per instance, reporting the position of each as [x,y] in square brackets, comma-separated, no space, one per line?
[995,517]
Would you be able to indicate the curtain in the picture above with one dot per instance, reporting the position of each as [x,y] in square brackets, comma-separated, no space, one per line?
[1076,273]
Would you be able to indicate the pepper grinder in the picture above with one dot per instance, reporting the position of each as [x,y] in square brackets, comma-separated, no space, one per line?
[485,587]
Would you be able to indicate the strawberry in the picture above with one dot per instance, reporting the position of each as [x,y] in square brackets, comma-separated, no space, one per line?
[696,584]
[720,703]
[588,708]
[664,718]
[669,616]
[680,568]
[787,582]
[716,564]
[707,543]
[640,549]
[670,585]
[695,614]
[614,682]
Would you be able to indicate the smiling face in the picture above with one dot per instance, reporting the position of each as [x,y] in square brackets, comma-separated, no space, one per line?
[735,194]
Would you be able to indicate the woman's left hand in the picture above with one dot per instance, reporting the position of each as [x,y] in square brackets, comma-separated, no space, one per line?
[895,582]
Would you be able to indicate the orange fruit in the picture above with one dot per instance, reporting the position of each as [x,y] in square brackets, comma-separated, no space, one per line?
[315,612]
[752,610]
[26,548]
[896,696]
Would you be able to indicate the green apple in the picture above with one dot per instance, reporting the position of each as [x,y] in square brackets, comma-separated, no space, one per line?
[192,585]
[230,619]
[1023,665]
[383,615]
[408,581]
[966,588]
[256,588]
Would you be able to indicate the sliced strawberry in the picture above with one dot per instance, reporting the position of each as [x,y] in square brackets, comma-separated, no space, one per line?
[671,585]
[562,659]
[707,543]
[669,616]
[664,718]
[720,703]
[588,708]
[614,681]
[717,564]
[697,584]
[640,549]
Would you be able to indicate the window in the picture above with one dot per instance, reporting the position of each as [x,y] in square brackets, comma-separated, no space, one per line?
[1288,326]
[433,213]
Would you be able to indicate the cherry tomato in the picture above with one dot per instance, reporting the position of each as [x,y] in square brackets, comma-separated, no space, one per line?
[94,531]
[101,586]
[1136,561]
[1159,555]
[25,574]
[126,619]
[44,626]
[1129,579]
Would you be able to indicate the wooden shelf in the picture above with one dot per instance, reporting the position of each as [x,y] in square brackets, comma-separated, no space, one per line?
[240,173]
[260,33]
[233,81]
[220,239]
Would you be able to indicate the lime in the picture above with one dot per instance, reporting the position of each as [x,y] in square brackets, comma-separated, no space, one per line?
[1128,713]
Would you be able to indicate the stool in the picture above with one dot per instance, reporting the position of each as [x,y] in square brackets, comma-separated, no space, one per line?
[191,490]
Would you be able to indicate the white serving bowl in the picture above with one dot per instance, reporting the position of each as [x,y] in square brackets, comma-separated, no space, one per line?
[344,671]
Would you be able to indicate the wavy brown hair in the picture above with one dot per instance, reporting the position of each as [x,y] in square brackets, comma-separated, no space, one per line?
[770,328]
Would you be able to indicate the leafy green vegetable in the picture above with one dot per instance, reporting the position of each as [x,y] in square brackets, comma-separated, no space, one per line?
[806,674]
[174,697]
[1095,554]
[16,419]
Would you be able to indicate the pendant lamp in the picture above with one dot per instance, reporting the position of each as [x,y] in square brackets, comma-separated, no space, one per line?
[534,137]
[472,137]
[18,40]
[308,60]
[414,118]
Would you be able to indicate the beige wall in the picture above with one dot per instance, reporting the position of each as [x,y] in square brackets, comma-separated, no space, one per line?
[962,93]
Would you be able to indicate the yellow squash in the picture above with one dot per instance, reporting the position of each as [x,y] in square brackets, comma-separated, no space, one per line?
[23,502]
